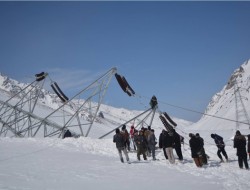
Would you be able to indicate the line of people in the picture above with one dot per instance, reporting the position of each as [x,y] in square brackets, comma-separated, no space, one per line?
[199,156]
[169,141]
[144,142]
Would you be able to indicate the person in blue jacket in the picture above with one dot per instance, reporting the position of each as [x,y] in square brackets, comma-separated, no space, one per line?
[221,146]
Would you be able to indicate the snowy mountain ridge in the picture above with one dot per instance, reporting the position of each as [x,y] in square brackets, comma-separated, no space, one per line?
[241,75]
[227,106]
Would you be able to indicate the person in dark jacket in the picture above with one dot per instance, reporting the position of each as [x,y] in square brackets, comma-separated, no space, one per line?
[161,143]
[248,145]
[141,143]
[195,146]
[221,146]
[240,145]
[67,134]
[125,133]
[168,142]
[147,132]
[203,153]
[177,144]
[120,144]
[152,142]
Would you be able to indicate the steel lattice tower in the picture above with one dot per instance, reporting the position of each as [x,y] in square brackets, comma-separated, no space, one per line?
[21,114]
[240,110]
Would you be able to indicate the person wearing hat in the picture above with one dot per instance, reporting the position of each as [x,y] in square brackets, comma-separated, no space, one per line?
[221,146]
[240,145]
[120,145]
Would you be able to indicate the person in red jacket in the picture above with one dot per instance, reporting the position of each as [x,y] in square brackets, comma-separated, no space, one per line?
[132,133]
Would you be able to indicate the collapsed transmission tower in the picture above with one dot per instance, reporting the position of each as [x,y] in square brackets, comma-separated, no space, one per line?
[23,114]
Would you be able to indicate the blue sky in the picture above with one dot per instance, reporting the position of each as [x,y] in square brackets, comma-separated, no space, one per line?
[182,52]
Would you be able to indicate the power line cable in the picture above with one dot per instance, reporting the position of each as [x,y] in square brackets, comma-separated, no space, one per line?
[198,112]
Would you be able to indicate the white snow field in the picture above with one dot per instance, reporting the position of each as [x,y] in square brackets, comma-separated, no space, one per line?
[86,163]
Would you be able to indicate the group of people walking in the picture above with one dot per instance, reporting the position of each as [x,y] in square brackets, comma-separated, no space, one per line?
[200,157]
[169,141]
[144,142]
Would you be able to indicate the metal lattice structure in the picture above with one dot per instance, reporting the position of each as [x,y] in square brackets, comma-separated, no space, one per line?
[22,115]
[240,110]
[144,119]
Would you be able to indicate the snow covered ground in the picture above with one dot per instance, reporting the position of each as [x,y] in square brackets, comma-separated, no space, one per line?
[86,163]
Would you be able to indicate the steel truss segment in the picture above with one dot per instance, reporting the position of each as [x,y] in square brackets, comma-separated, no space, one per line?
[148,112]
[11,111]
[241,114]
[20,115]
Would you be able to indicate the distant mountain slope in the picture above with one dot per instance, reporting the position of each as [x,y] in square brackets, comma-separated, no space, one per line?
[232,99]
